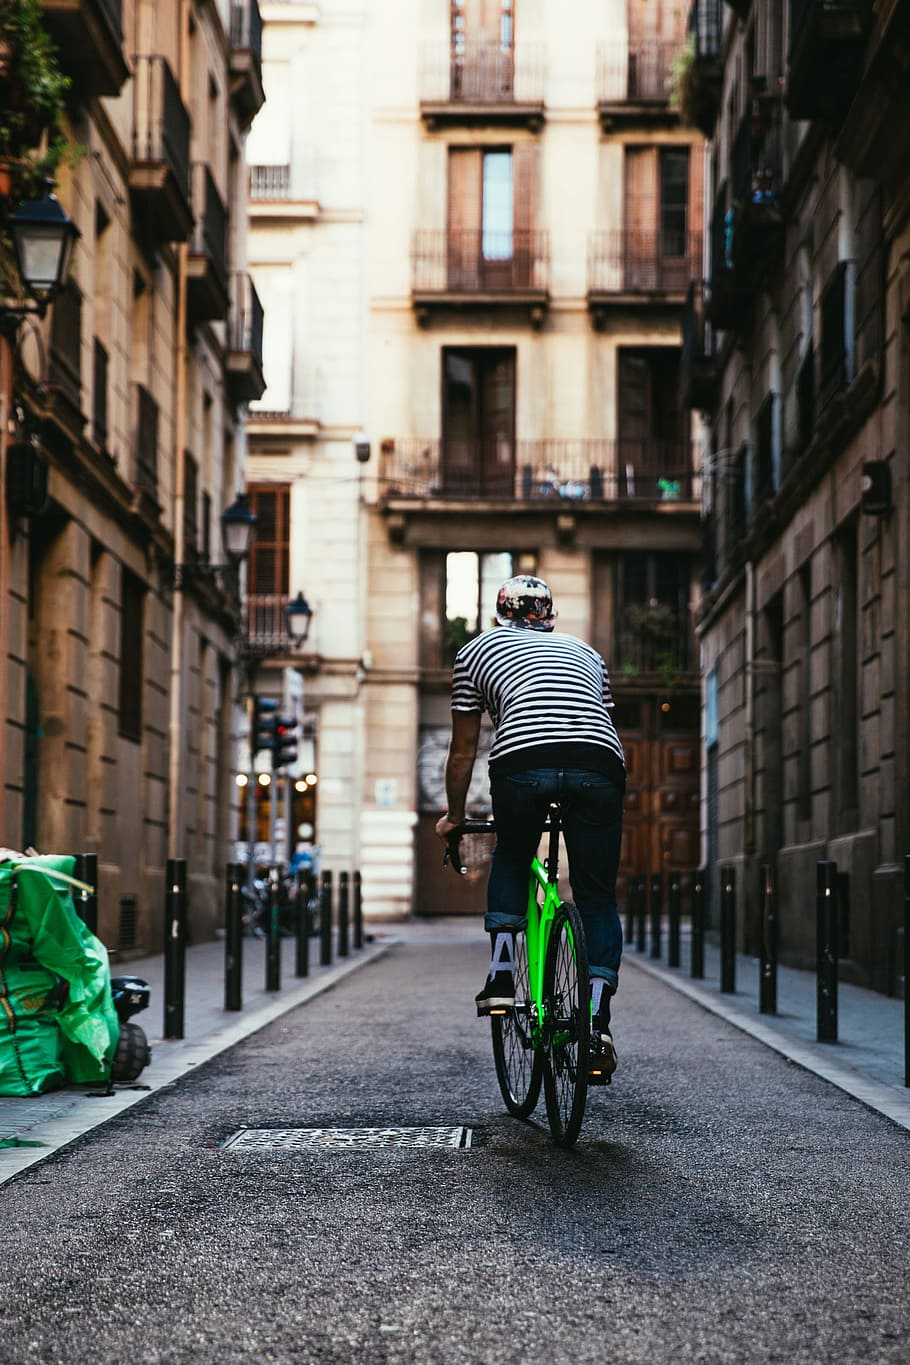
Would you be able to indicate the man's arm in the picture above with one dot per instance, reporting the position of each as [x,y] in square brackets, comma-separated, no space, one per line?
[459,767]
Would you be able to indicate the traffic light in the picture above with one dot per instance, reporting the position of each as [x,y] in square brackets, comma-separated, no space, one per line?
[284,748]
[262,735]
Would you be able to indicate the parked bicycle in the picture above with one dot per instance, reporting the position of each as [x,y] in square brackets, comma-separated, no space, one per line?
[545,1038]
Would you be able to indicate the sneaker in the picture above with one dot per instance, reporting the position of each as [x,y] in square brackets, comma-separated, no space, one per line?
[602,1058]
[497,996]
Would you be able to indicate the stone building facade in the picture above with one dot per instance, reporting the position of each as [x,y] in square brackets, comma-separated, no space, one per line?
[119,627]
[796,354]
[484,290]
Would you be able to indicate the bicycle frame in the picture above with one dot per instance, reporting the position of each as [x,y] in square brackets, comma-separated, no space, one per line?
[540,914]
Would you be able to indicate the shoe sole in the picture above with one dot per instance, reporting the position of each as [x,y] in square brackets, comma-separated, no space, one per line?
[609,1063]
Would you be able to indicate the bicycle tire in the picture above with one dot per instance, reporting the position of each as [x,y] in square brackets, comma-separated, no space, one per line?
[519,1066]
[567,1006]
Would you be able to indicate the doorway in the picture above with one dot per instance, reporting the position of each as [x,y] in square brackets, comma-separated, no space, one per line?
[478,421]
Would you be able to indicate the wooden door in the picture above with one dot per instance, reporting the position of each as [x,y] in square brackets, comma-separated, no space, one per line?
[465,198]
[639,266]
[478,420]
[482,47]
[661,821]
[634,410]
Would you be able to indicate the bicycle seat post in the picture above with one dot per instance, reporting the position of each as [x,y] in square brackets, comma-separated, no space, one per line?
[553,847]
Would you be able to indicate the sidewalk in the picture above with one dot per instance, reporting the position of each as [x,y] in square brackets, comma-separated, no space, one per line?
[37,1125]
[867,1061]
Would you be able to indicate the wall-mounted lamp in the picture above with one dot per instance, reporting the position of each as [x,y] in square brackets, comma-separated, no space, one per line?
[238,522]
[299,615]
[43,238]
[362,446]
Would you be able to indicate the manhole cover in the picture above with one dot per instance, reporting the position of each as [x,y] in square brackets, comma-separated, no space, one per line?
[295,1139]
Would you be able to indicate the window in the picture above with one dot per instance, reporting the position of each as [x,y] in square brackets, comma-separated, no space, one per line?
[472,581]
[497,206]
[846,670]
[190,507]
[132,631]
[490,215]
[269,564]
[652,630]
[674,201]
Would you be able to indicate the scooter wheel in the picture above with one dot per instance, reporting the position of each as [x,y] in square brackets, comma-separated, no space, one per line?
[133,1053]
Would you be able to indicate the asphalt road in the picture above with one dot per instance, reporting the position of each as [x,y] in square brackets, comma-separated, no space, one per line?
[722,1205]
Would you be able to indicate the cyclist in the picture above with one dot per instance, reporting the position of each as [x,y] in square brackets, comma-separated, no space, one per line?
[549,699]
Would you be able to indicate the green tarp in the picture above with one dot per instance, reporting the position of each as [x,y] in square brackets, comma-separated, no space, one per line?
[57,1019]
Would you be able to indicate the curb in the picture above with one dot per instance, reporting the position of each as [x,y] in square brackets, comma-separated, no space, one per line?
[173,1059]
[873,1094]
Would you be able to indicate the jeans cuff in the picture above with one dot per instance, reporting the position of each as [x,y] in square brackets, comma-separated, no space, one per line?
[501,919]
[608,974]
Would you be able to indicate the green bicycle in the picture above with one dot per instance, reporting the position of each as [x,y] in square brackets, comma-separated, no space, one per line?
[546,1036]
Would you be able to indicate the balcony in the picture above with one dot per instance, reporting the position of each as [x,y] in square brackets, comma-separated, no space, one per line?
[266,626]
[89,39]
[247,94]
[728,305]
[701,80]
[826,56]
[634,87]
[699,361]
[275,421]
[756,173]
[206,284]
[159,175]
[284,190]
[145,443]
[640,266]
[471,268]
[244,360]
[867,143]
[481,84]
[557,474]
[654,638]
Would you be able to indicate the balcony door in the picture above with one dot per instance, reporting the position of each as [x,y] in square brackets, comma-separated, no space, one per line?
[652,429]
[663,217]
[478,421]
[490,215]
[482,49]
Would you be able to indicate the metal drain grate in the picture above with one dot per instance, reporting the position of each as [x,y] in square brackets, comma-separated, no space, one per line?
[297,1139]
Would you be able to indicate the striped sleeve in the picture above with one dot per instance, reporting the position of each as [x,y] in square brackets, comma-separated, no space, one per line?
[608,691]
[466,695]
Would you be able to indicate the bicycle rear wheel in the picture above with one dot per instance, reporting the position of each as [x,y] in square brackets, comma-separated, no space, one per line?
[567,1003]
[519,1066]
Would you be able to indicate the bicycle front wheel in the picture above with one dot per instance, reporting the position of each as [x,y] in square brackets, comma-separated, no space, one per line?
[519,1066]
[567,1006]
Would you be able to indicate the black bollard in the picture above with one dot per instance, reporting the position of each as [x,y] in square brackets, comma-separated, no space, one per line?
[641,906]
[767,979]
[728,930]
[273,933]
[907,970]
[675,904]
[233,937]
[697,963]
[174,947]
[657,894]
[325,920]
[826,950]
[302,926]
[343,913]
[86,902]
[358,910]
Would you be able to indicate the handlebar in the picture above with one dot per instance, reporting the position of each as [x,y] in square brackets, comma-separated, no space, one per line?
[453,842]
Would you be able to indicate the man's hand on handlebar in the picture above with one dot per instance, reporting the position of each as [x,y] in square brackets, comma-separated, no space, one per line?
[445,826]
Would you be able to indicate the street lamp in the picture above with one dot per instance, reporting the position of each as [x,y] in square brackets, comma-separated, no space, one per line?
[43,238]
[238,522]
[299,616]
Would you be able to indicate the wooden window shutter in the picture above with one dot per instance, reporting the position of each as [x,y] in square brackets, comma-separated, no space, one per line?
[465,216]
[638,250]
[524,190]
[696,197]
[269,571]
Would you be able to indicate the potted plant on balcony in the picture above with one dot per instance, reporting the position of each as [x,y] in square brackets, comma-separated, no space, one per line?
[32,101]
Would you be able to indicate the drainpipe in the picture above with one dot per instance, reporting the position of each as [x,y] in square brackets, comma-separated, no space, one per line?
[6,395]
[749,699]
[176,818]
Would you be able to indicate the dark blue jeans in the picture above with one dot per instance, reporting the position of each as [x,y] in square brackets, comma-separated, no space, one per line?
[592,826]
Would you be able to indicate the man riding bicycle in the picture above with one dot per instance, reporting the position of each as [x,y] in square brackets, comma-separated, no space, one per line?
[549,699]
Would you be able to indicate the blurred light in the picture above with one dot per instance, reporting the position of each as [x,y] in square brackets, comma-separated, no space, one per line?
[241,779]
[665,706]
[264,779]
[300,785]
[311,779]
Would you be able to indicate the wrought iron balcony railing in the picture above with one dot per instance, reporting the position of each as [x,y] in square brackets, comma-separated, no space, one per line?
[472,261]
[544,472]
[247,317]
[481,74]
[267,624]
[210,233]
[642,261]
[641,75]
[161,130]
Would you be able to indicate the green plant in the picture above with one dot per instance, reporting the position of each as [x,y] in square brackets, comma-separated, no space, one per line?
[33,93]
[680,75]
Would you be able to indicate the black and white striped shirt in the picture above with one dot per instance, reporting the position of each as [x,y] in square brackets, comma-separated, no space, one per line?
[547,696]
